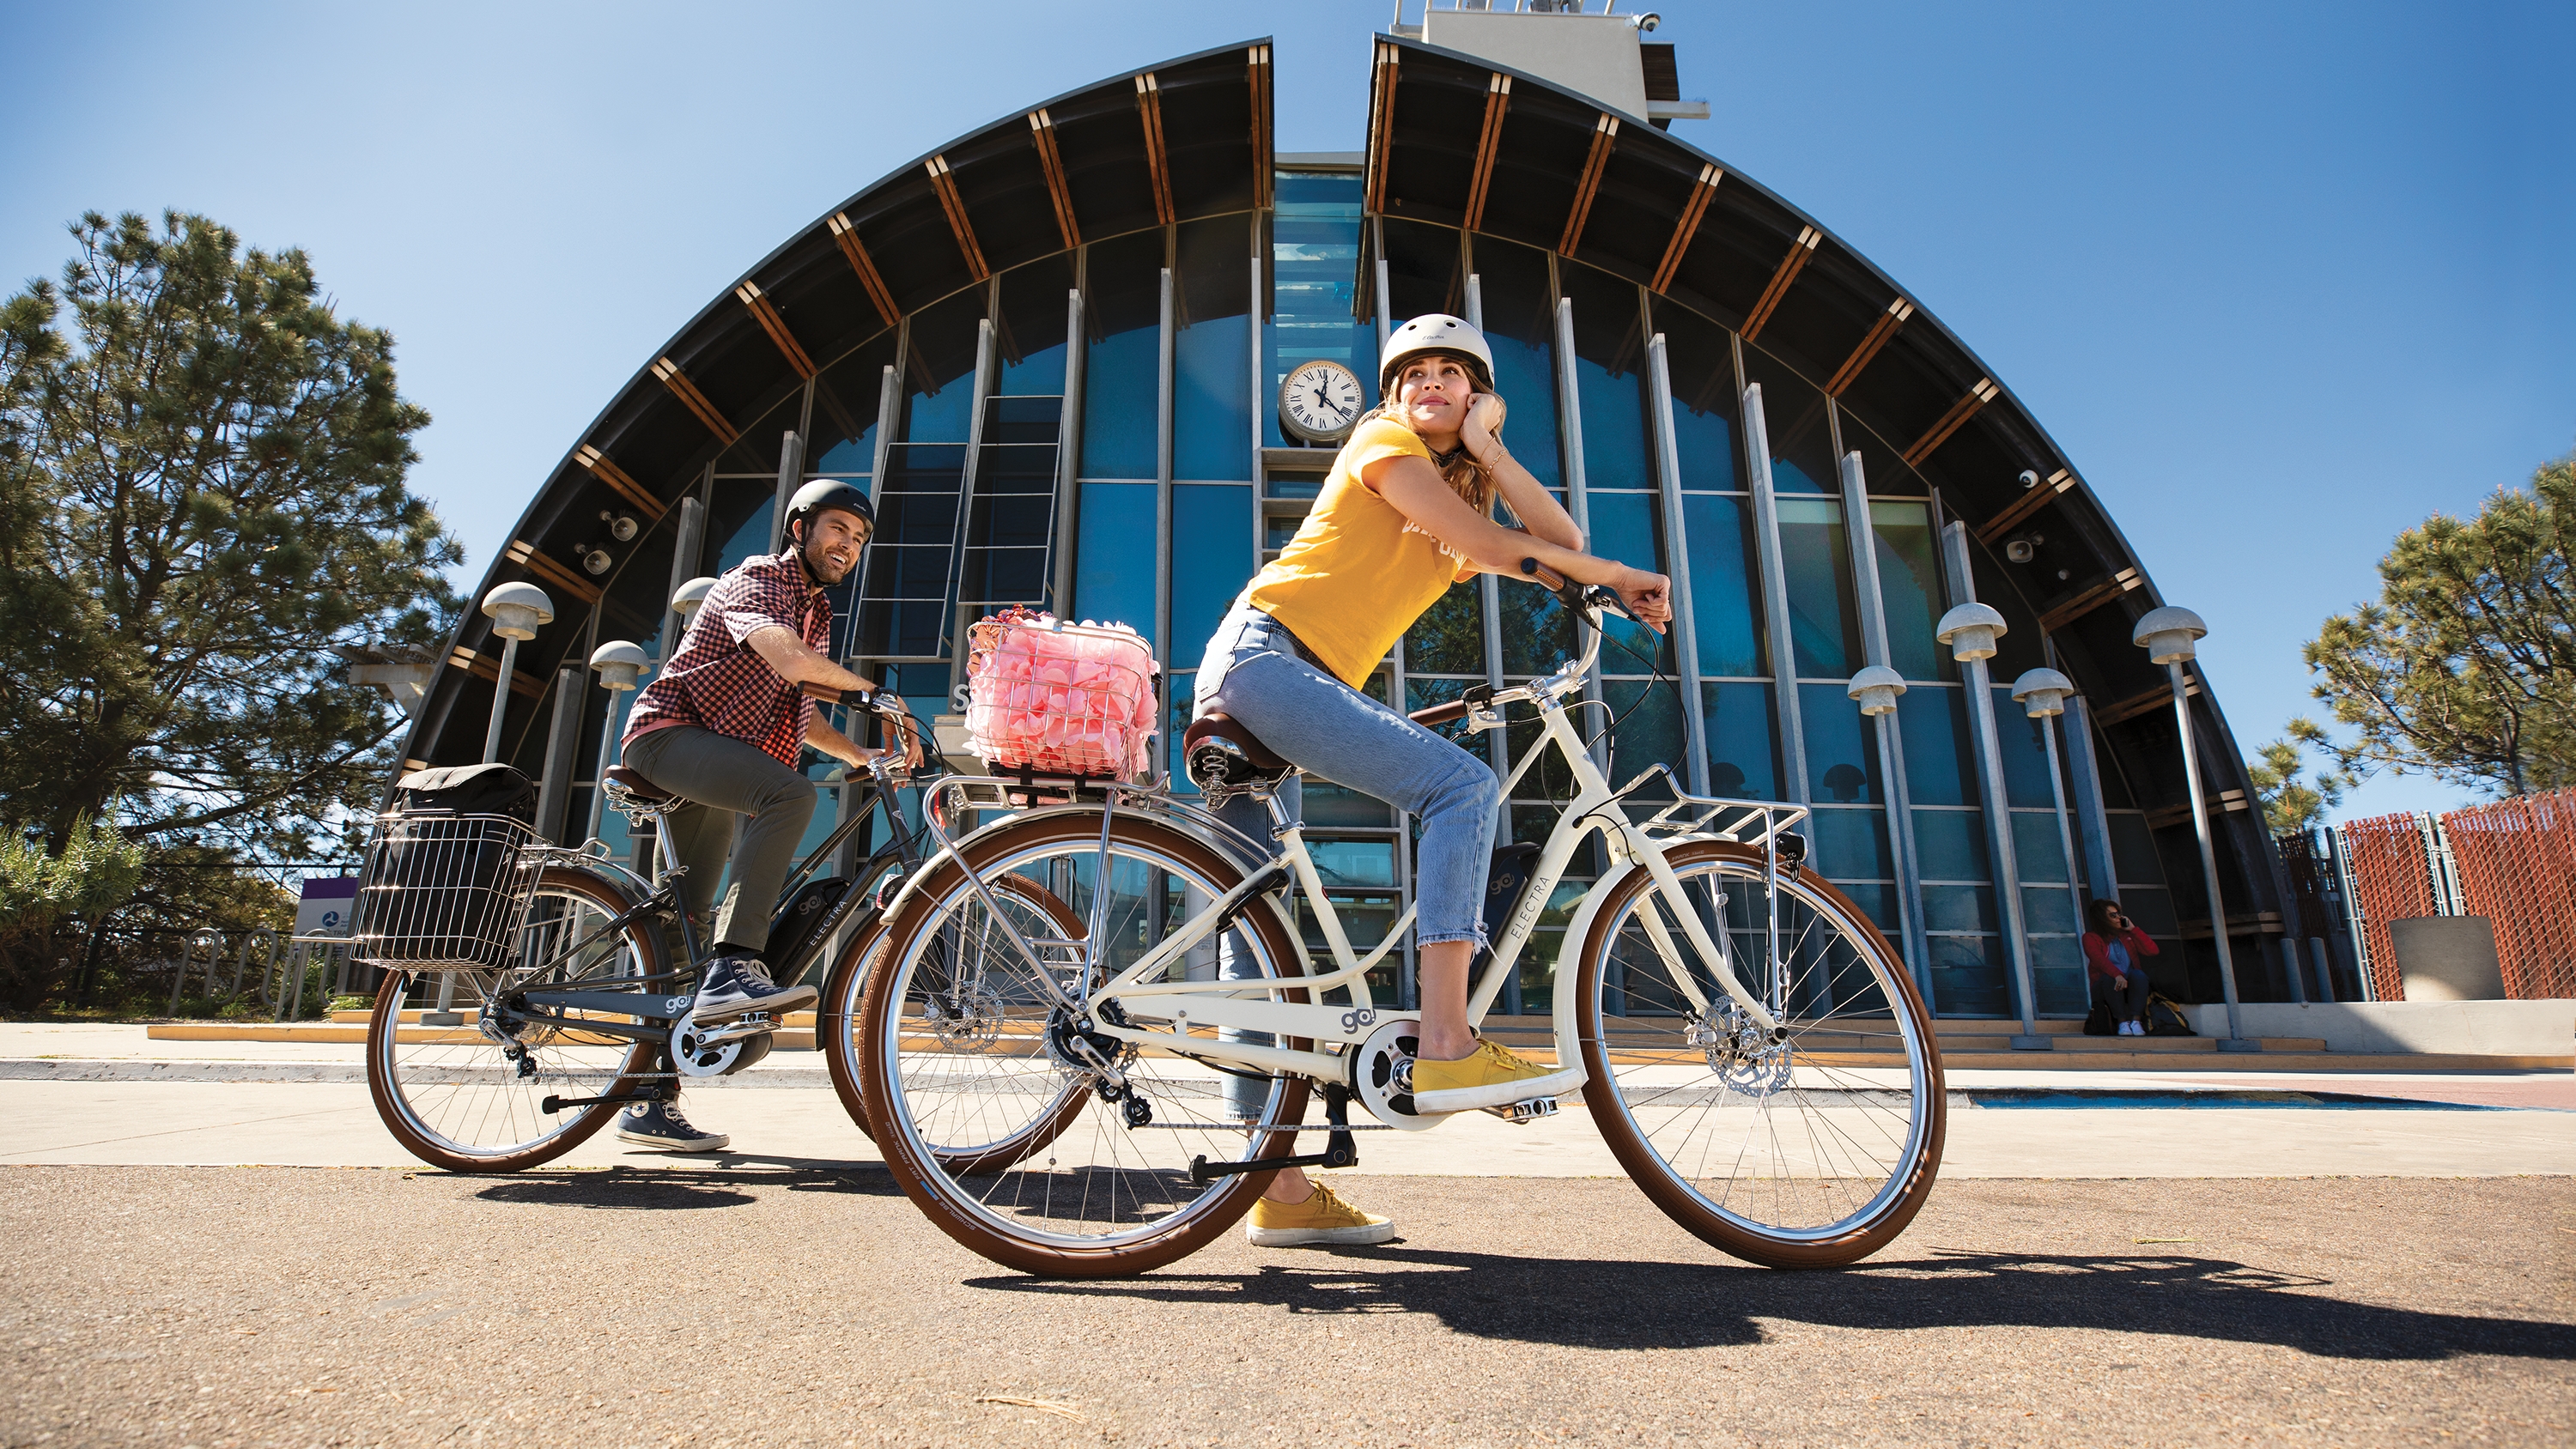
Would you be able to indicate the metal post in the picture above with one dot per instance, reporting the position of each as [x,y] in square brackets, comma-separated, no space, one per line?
[1775,598]
[563,742]
[1163,382]
[1998,805]
[980,400]
[2099,871]
[500,700]
[1862,536]
[2236,1040]
[2325,968]
[791,469]
[2065,834]
[1668,484]
[1068,456]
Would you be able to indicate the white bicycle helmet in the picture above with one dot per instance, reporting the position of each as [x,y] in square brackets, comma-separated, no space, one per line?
[1436,332]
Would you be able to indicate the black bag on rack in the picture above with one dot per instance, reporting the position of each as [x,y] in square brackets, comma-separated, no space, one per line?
[443,883]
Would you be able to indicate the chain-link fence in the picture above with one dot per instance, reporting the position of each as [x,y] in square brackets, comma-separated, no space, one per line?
[2516,864]
[2513,862]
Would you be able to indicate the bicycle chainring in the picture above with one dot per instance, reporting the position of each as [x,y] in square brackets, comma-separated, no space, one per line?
[1382,1074]
[692,1057]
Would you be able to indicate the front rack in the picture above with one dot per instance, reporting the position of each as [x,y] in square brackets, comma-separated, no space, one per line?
[1747,822]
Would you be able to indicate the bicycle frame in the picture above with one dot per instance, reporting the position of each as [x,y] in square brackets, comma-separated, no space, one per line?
[1595,809]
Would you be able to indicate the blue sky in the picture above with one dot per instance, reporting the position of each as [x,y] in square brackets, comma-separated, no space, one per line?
[2282,279]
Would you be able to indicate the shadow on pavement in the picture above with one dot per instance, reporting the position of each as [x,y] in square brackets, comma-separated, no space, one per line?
[653,1188]
[1587,1304]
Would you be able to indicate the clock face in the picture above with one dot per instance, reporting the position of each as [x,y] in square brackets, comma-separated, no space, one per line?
[1320,402]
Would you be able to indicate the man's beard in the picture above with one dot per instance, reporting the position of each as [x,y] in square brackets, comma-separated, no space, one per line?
[816,564]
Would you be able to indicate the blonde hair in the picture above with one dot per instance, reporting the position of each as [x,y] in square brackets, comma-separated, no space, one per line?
[1469,479]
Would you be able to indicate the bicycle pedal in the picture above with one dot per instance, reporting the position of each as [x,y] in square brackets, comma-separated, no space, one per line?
[1521,1114]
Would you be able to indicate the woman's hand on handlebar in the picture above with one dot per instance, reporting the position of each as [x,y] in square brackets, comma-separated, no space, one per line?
[1647,597]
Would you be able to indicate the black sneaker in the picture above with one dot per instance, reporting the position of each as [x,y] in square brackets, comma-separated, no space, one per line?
[659,1124]
[739,985]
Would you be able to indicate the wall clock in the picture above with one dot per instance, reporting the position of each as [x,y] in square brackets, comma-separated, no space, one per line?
[1320,402]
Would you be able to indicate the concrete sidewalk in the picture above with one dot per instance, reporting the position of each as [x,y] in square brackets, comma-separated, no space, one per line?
[103,1094]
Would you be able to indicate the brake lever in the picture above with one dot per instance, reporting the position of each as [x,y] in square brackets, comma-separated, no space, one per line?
[1574,595]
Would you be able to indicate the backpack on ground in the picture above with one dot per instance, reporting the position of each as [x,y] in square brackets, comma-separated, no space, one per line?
[2165,1018]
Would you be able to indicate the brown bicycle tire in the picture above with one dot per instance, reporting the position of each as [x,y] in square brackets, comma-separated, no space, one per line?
[1646,1167]
[915,1176]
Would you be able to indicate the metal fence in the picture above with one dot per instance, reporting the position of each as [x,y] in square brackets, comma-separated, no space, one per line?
[2513,862]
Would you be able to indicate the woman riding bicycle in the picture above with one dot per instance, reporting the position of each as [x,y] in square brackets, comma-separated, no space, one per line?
[1406,511]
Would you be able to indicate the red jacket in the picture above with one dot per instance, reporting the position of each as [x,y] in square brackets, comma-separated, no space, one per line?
[2098,951]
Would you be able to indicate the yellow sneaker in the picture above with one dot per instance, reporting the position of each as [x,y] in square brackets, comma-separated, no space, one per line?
[1490,1076]
[1322,1218]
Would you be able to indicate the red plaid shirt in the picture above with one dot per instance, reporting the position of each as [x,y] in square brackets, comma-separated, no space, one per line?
[718,682]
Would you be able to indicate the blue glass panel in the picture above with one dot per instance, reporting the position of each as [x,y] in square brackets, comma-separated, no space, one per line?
[1449,638]
[1211,399]
[742,511]
[2023,743]
[1113,561]
[1031,331]
[1724,612]
[1609,378]
[1909,589]
[2048,909]
[2038,855]
[1968,976]
[1958,908]
[1629,528]
[1701,357]
[1822,625]
[1878,902]
[1121,376]
[1211,559]
[1649,732]
[939,386]
[2133,850]
[1794,419]
[1743,748]
[1851,844]
[1951,845]
[846,395]
[1939,770]
[1842,748]
[1520,325]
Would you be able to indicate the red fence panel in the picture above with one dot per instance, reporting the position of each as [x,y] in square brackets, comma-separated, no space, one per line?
[2517,863]
[2390,881]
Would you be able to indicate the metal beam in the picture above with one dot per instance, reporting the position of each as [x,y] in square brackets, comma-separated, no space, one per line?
[1861,532]
[1068,449]
[1775,599]
[1668,487]
[1990,790]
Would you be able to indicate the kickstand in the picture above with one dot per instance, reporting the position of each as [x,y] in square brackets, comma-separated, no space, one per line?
[1339,1149]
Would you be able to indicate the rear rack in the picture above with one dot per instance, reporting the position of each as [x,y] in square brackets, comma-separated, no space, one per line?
[1747,822]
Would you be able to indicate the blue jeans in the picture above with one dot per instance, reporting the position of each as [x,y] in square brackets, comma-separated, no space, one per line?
[1253,672]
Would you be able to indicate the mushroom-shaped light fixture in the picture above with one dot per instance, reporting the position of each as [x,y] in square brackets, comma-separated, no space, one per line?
[518,610]
[1877,688]
[2167,634]
[621,665]
[1971,631]
[2042,693]
[687,597]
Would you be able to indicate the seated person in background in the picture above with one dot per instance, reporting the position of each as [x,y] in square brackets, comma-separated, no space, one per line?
[2118,950]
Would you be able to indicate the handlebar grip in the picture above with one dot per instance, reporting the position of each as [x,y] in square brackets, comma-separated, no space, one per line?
[855,698]
[1439,713]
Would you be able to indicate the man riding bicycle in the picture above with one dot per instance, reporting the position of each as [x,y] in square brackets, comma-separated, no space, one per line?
[723,728]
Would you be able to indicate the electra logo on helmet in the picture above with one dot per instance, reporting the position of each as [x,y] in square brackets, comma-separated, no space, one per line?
[1436,334]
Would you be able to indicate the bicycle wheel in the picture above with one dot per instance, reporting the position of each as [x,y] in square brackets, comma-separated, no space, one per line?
[837,1016]
[1811,1151]
[455,1097]
[991,1102]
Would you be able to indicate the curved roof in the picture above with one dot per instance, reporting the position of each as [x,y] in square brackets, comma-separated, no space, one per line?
[1452,139]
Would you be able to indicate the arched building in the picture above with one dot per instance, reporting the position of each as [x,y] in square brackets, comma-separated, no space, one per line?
[1051,350]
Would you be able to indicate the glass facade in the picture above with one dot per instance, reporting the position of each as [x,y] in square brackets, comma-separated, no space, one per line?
[1137,465]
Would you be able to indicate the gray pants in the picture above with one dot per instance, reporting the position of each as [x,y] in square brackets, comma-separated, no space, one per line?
[721,777]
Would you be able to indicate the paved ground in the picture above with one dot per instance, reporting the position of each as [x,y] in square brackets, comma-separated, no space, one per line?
[222,1307]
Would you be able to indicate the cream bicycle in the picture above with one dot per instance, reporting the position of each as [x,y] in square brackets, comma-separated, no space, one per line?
[1100,1101]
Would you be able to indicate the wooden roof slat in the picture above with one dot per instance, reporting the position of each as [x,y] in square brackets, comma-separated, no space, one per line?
[696,401]
[1051,161]
[775,325]
[1605,135]
[847,235]
[528,556]
[1257,76]
[1149,106]
[1381,142]
[1702,191]
[615,477]
[485,667]
[2089,600]
[2031,501]
[1781,276]
[2144,703]
[955,206]
[1950,422]
[1498,100]
[1879,332]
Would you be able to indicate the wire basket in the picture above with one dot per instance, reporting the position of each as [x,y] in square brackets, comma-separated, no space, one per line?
[1060,698]
[445,892]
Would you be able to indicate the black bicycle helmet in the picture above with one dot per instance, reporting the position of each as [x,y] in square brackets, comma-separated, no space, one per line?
[825,493]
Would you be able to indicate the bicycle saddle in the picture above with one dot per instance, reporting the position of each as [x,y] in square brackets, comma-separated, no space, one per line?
[1218,752]
[622,780]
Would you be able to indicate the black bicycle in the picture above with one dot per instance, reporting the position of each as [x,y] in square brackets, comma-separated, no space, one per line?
[530,990]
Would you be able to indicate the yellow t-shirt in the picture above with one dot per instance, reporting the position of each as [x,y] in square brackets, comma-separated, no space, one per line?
[1359,572]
